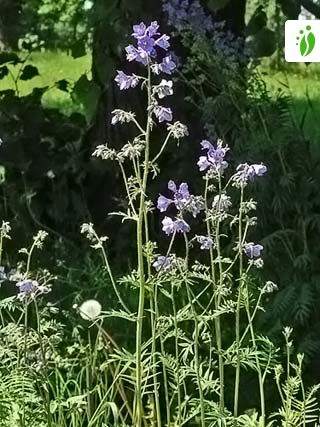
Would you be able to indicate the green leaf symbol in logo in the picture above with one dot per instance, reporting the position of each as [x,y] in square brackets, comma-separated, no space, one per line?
[307,42]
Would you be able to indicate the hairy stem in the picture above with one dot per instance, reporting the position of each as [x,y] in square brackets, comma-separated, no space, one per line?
[196,336]
[237,323]
[217,325]
[139,404]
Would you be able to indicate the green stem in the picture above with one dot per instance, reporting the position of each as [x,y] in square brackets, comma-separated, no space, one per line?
[162,349]
[109,271]
[162,148]
[260,376]
[176,355]
[216,320]
[29,258]
[237,324]
[88,378]
[154,338]
[196,336]
[43,357]
[139,405]
[218,302]
[1,247]
[288,396]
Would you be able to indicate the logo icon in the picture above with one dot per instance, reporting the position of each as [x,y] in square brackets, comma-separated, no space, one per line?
[302,40]
[306,40]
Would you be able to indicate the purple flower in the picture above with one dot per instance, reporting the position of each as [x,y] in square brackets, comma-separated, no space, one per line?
[126,82]
[147,39]
[196,205]
[152,30]
[155,68]
[181,197]
[214,160]
[139,30]
[182,226]
[163,114]
[259,169]
[252,250]
[205,241]
[172,186]
[146,45]
[134,54]
[181,194]
[168,226]
[163,203]
[27,286]
[178,226]
[246,172]
[163,42]
[221,203]
[167,65]
[162,263]
[183,200]
[164,88]
[187,15]
[203,163]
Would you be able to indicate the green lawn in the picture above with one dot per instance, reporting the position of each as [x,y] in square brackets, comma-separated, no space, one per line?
[52,67]
[302,84]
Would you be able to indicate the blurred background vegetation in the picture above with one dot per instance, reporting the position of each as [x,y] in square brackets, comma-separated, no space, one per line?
[57,64]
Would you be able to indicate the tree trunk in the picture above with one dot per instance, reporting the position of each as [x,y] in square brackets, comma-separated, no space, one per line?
[234,16]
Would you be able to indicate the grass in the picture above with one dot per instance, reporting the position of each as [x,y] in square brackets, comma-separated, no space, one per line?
[52,67]
[302,84]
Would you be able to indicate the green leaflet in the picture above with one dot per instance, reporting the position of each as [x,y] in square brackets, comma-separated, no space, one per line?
[307,44]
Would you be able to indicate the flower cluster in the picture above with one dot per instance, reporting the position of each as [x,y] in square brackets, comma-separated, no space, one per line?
[12,275]
[163,89]
[214,161]
[163,114]
[190,16]
[269,287]
[178,130]
[206,242]
[187,15]
[148,40]
[183,202]
[120,116]
[29,288]
[253,251]
[128,151]
[164,264]
[221,203]
[124,81]
[39,238]
[150,49]
[181,197]
[5,229]
[246,172]
[170,226]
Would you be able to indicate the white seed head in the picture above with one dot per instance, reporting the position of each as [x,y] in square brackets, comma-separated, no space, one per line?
[90,309]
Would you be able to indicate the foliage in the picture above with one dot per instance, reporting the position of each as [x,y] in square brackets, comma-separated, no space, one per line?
[58,24]
[194,318]
[260,125]
[194,321]
[43,176]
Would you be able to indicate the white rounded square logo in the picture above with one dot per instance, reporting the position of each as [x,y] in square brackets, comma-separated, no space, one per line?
[302,40]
